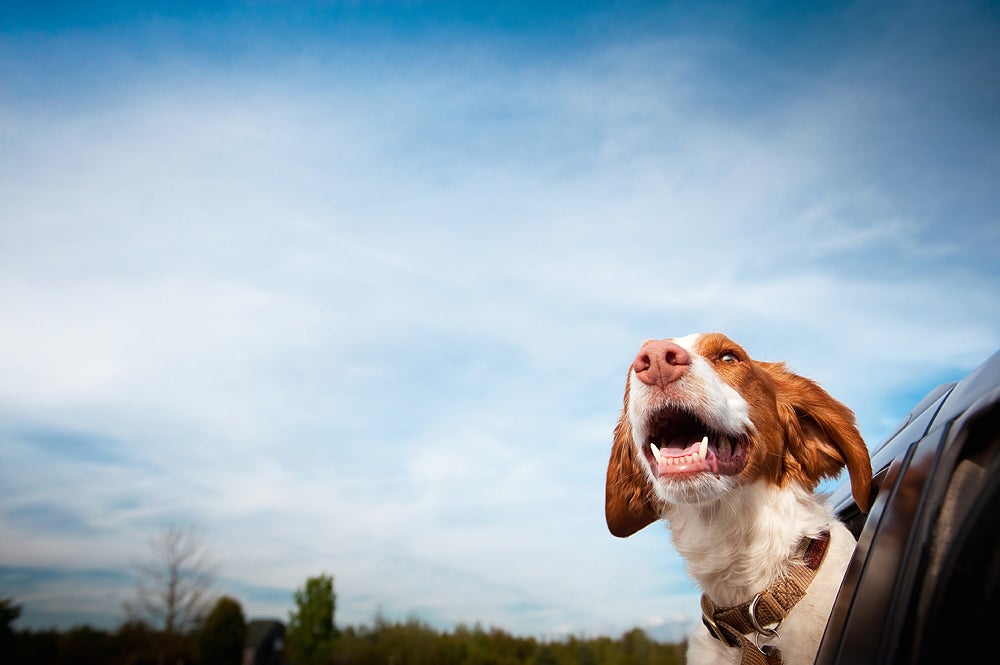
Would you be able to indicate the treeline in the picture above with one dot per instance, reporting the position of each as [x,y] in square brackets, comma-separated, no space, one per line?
[174,619]
[408,643]
[131,644]
[220,642]
[415,643]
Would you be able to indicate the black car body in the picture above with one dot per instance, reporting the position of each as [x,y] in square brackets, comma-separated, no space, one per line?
[923,584]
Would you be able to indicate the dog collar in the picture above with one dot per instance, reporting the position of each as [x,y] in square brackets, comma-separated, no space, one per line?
[731,625]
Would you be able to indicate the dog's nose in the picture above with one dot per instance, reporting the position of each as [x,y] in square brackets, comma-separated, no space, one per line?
[661,362]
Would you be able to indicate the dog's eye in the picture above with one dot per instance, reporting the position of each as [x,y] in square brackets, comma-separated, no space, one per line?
[729,357]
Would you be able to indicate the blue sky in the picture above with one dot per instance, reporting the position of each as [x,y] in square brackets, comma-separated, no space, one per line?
[351,288]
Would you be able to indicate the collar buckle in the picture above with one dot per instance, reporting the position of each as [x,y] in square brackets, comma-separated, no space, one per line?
[716,631]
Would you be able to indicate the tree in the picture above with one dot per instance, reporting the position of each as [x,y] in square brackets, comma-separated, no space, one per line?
[137,643]
[544,656]
[311,629]
[173,587]
[9,612]
[83,644]
[223,634]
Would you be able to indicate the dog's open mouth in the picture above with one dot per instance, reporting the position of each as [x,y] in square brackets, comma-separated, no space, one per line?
[680,444]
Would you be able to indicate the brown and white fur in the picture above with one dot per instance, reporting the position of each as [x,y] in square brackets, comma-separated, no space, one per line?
[737,507]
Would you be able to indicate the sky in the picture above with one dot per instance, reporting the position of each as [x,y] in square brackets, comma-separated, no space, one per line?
[351,288]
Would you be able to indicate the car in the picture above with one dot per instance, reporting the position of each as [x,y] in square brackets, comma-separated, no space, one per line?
[924,583]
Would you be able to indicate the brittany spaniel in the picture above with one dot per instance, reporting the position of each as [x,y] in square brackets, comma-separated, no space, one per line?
[728,450]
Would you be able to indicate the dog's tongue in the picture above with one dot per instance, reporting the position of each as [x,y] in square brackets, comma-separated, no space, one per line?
[678,448]
[676,457]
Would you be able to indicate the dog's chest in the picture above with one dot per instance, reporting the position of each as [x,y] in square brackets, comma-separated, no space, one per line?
[801,631]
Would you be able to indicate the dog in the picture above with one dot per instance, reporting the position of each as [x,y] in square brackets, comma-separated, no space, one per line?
[728,451]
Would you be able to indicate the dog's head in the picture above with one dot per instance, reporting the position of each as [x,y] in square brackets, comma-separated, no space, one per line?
[702,418]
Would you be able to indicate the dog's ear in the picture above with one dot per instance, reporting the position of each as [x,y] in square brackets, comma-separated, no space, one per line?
[627,505]
[821,433]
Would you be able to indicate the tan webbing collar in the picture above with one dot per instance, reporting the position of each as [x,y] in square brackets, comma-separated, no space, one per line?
[733,624]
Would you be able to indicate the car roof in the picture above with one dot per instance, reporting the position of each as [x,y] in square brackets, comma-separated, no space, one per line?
[939,407]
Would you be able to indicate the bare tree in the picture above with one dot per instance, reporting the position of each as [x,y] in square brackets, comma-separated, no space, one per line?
[174,585]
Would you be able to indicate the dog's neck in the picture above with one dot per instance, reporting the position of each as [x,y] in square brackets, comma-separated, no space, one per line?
[738,545]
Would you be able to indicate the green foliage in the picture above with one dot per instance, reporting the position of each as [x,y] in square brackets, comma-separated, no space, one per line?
[137,642]
[86,645]
[415,643]
[8,615]
[311,630]
[312,639]
[545,655]
[221,638]
[29,647]
[9,612]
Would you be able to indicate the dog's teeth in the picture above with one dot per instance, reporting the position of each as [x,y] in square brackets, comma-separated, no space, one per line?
[656,452]
[703,448]
[724,445]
